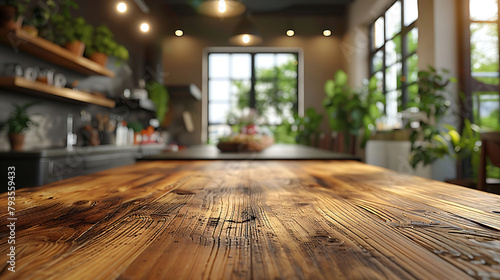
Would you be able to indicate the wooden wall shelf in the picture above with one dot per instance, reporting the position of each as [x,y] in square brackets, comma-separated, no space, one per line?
[45,90]
[53,53]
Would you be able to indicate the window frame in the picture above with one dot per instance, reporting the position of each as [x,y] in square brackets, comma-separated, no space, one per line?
[405,54]
[299,106]
[469,84]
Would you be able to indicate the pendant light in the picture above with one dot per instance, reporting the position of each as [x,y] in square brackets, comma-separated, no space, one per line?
[222,8]
[246,34]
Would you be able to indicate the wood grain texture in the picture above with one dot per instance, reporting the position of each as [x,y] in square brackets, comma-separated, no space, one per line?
[49,91]
[253,220]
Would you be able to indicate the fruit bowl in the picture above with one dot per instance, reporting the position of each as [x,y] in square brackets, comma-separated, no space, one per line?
[245,143]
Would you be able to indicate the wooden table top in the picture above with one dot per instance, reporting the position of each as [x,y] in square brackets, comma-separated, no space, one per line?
[252,220]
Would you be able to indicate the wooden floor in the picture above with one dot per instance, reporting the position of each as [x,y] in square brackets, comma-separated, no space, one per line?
[253,220]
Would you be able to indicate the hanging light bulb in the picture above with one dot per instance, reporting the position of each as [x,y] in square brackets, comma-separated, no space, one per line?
[222,6]
[246,33]
[246,39]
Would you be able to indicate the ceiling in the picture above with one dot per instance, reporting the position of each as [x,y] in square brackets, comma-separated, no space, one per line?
[285,7]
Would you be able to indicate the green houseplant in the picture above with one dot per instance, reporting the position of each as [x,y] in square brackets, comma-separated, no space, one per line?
[307,126]
[465,145]
[62,28]
[44,13]
[103,45]
[428,142]
[72,33]
[159,95]
[17,124]
[10,10]
[351,112]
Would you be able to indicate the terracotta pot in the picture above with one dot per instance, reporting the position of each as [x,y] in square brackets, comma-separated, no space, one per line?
[99,58]
[30,30]
[76,47]
[8,18]
[16,141]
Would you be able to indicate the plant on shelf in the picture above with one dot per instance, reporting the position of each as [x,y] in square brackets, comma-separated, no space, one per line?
[72,33]
[427,141]
[18,123]
[10,10]
[159,95]
[350,112]
[103,45]
[62,28]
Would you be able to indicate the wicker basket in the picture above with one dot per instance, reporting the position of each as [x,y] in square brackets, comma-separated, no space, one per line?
[250,146]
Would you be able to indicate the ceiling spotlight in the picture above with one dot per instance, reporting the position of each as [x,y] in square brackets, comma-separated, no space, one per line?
[290,33]
[144,27]
[327,32]
[121,7]
[179,33]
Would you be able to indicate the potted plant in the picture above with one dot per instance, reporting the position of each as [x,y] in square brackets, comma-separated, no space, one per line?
[427,141]
[465,147]
[72,33]
[103,45]
[45,11]
[306,127]
[40,17]
[352,113]
[10,12]
[159,95]
[17,124]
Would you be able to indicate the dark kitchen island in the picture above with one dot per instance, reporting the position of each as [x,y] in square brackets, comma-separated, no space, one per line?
[274,152]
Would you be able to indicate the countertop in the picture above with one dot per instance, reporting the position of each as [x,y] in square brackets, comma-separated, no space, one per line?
[216,219]
[275,152]
[79,150]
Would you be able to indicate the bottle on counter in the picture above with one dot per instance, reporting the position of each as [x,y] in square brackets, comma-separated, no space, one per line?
[121,134]
[130,137]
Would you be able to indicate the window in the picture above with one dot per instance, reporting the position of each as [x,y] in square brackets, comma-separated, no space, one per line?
[393,56]
[484,61]
[265,82]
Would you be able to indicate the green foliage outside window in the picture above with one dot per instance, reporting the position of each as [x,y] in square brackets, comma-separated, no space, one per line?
[483,62]
[275,89]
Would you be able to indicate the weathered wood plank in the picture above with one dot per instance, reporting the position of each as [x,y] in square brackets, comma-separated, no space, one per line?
[253,219]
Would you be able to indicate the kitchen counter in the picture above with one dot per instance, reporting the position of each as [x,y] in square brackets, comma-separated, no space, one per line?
[80,150]
[274,152]
[309,219]
[39,167]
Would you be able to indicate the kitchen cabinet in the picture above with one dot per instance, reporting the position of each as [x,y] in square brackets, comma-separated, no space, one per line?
[34,168]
